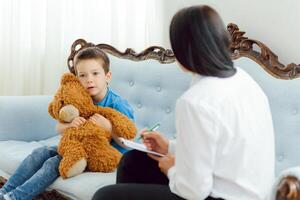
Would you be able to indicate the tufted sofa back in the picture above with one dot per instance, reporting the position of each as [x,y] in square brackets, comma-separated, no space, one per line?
[25,118]
[284,99]
[151,88]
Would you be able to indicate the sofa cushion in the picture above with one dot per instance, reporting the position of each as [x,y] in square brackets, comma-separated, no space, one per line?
[284,102]
[81,187]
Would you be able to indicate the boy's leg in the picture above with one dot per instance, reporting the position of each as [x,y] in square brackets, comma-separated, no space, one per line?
[28,167]
[133,191]
[137,167]
[44,177]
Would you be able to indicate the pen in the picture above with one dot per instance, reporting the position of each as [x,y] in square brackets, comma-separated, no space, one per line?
[154,128]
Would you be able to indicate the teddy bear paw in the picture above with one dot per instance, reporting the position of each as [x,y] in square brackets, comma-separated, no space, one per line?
[77,168]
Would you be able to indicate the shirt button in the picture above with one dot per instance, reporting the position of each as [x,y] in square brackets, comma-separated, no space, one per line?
[131,83]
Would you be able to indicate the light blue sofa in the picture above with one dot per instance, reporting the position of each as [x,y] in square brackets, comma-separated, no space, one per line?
[152,89]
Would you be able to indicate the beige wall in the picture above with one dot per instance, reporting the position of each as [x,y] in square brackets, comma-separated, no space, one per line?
[273,22]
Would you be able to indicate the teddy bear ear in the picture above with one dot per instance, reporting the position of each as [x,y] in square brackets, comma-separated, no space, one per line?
[50,110]
[54,108]
[68,77]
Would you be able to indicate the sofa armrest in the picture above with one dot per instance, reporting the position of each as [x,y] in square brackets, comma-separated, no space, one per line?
[287,185]
[25,118]
[288,189]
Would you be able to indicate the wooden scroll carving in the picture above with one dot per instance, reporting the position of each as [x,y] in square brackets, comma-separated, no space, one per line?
[241,46]
[154,52]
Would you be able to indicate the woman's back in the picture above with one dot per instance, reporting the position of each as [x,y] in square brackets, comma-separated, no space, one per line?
[225,139]
[238,130]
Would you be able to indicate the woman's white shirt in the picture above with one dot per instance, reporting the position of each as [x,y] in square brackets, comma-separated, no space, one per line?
[225,140]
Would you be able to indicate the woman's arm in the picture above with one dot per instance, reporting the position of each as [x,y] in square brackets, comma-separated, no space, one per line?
[192,175]
[172,147]
[61,127]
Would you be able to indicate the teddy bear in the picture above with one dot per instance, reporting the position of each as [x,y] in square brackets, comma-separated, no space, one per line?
[87,146]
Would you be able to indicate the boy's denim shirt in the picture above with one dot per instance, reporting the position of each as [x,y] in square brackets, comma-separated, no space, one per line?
[114,101]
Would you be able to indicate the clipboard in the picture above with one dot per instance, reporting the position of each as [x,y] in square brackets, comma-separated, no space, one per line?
[138,146]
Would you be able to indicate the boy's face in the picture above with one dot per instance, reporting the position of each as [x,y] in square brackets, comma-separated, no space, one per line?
[93,78]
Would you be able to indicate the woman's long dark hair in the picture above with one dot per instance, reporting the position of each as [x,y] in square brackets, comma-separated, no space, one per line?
[200,42]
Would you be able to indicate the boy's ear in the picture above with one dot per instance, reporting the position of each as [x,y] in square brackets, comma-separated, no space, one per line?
[108,76]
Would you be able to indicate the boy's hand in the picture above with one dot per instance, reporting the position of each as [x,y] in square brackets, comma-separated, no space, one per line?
[77,121]
[164,163]
[61,127]
[102,122]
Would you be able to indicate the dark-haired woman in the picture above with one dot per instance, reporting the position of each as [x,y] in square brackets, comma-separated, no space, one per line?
[225,142]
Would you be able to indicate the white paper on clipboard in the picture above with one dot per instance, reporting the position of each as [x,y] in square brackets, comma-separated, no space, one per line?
[138,146]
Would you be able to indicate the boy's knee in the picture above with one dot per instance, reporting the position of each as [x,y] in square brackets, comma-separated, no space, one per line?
[44,151]
[52,163]
[40,151]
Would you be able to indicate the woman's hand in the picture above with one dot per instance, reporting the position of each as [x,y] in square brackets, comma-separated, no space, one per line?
[164,163]
[155,141]
[102,122]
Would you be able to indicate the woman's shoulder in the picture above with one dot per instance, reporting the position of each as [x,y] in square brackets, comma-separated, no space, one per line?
[209,90]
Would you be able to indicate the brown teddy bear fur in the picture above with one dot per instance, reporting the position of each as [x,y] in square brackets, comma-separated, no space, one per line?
[89,141]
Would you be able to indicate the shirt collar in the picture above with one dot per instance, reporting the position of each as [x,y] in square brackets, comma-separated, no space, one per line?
[195,79]
[102,102]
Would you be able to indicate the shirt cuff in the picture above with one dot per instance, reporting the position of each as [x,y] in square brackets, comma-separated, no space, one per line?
[171,172]
[172,146]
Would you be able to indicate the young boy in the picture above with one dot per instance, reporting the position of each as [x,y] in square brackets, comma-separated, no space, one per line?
[40,168]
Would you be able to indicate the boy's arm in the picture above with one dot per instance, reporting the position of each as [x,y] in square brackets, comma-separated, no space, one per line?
[61,127]
[123,107]
[106,124]
[117,140]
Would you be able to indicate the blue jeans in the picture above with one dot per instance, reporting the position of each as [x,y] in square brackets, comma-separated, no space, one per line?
[36,172]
